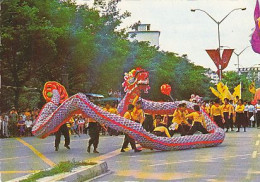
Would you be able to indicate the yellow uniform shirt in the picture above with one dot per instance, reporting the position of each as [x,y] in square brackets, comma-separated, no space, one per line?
[155,123]
[226,108]
[185,112]
[138,115]
[178,117]
[240,108]
[105,109]
[128,115]
[197,117]
[207,109]
[216,110]
[163,130]
[113,111]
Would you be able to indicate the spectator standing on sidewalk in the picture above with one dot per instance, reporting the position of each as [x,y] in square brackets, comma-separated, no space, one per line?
[81,124]
[246,113]
[5,125]
[251,111]
[13,118]
[1,126]
[28,126]
[21,126]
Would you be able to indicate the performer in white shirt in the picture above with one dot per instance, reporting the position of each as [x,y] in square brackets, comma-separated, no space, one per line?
[251,112]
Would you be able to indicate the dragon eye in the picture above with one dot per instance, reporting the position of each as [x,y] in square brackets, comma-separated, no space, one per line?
[131,80]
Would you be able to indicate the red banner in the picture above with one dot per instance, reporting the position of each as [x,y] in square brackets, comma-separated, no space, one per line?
[215,56]
[226,55]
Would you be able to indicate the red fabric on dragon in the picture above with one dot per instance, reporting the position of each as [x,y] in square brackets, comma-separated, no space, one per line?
[52,116]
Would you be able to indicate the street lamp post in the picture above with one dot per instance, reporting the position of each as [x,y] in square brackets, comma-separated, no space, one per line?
[238,54]
[218,23]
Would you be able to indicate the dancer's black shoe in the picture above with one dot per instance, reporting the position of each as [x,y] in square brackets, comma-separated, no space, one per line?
[68,147]
[137,150]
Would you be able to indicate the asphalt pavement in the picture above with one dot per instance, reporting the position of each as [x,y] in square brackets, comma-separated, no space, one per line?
[236,159]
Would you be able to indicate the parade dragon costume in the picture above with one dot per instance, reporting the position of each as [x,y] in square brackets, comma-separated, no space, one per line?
[59,109]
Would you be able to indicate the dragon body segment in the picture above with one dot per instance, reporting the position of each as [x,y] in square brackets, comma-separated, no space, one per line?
[53,115]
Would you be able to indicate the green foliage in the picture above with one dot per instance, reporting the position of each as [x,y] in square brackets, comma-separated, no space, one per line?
[62,167]
[44,39]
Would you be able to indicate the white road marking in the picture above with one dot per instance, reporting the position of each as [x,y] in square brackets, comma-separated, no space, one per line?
[254,154]
[249,172]
[11,158]
[257,142]
[199,160]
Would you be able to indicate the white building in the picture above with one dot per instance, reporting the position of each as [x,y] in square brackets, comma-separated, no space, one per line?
[143,33]
[252,73]
[213,76]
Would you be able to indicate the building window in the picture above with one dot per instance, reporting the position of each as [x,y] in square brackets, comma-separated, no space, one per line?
[148,27]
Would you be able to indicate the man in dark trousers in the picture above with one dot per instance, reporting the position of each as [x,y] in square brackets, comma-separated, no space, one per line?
[94,129]
[62,130]
[128,139]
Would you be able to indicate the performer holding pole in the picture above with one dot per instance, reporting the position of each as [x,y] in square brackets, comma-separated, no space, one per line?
[128,139]
[161,130]
[198,121]
[94,129]
[179,120]
[62,130]
[138,113]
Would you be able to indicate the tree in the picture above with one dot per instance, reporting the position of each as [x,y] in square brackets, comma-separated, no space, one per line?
[44,39]
[232,79]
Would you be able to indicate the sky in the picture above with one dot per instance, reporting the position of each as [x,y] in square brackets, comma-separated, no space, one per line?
[186,32]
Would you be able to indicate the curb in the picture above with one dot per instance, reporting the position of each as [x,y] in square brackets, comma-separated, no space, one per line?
[79,174]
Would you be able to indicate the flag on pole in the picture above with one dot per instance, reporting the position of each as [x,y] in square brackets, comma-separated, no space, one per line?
[227,93]
[224,91]
[221,88]
[215,92]
[252,87]
[237,92]
[214,54]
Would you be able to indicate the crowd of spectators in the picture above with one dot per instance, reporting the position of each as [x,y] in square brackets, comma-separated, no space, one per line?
[16,123]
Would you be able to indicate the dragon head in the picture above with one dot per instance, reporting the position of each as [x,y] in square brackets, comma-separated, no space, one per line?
[136,78]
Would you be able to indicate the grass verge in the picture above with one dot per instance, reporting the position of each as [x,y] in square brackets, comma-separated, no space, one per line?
[62,167]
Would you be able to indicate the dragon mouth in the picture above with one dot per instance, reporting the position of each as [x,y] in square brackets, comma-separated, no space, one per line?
[143,82]
[144,85]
